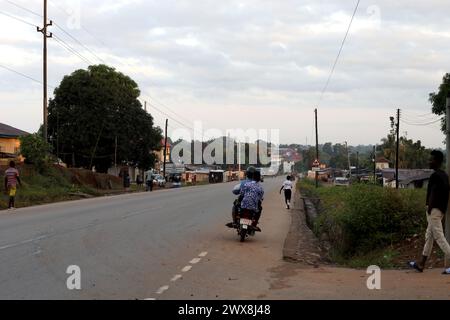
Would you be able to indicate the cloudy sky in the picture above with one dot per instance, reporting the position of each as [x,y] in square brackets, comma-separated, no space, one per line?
[243,64]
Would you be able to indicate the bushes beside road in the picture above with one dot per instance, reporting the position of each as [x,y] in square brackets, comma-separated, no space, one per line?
[362,219]
[56,183]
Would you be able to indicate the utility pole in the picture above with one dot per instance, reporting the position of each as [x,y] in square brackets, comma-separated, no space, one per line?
[375,165]
[115,156]
[239,159]
[398,151]
[145,106]
[317,149]
[165,149]
[45,99]
[348,159]
[447,216]
[357,164]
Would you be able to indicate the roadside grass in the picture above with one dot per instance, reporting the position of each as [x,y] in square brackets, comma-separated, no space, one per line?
[366,224]
[53,185]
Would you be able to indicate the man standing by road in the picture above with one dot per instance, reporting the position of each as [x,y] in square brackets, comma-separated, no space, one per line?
[12,179]
[437,202]
[149,180]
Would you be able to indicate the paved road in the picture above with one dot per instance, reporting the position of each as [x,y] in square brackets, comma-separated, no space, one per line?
[170,244]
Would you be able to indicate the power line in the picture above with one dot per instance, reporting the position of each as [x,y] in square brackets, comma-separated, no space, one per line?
[23,8]
[18,19]
[169,109]
[23,75]
[422,124]
[65,45]
[82,27]
[57,26]
[79,42]
[339,53]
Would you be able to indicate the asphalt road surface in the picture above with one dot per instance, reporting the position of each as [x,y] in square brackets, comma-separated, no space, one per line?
[170,244]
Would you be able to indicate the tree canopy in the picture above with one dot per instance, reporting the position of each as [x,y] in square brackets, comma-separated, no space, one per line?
[93,108]
[438,99]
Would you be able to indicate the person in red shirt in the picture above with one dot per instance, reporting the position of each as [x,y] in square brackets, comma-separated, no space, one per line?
[12,179]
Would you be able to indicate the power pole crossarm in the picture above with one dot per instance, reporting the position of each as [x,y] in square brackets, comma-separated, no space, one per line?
[46,35]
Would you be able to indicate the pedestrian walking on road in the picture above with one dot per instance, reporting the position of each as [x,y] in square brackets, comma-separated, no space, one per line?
[287,187]
[12,180]
[437,202]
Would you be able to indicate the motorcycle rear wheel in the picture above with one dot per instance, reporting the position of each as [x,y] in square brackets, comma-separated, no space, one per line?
[243,234]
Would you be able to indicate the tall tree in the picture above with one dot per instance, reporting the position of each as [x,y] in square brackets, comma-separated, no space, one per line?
[94,108]
[438,99]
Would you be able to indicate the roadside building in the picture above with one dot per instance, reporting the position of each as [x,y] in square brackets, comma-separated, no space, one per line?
[408,178]
[10,143]
[382,163]
[159,163]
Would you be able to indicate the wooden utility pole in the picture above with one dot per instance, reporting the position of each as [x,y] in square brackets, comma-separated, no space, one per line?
[45,98]
[397,153]
[115,156]
[447,216]
[165,149]
[357,164]
[375,165]
[348,159]
[317,149]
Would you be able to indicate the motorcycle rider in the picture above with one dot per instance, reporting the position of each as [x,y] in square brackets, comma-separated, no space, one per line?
[252,195]
[237,191]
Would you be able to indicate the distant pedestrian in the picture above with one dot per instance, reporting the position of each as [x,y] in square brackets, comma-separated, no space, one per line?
[12,180]
[149,180]
[437,202]
[139,181]
[194,179]
[287,187]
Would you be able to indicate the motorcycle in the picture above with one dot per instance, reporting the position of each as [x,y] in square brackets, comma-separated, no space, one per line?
[244,220]
[245,227]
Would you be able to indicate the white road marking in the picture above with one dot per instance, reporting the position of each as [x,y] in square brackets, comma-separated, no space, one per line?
[150,299]
[22,243]
[162,289]
[195,261]
[203,254]
[176,278]
[186,269]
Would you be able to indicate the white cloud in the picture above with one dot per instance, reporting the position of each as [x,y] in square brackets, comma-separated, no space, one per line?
[227,60]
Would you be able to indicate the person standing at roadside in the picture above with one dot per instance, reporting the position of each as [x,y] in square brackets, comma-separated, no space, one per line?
[437,203]
[287,187]
[12,180]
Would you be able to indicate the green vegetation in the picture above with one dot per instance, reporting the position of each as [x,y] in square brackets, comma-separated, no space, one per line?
[363,222]
[95,110]
[58,184]
[36,151]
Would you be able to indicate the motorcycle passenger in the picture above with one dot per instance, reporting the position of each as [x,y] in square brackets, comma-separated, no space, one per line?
[237,191]
[252,195]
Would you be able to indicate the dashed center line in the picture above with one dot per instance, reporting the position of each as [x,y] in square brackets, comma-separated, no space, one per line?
[179,276]
[176,278]
[162,289]
[186,269]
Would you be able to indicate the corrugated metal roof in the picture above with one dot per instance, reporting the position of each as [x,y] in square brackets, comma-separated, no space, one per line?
[11,132]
